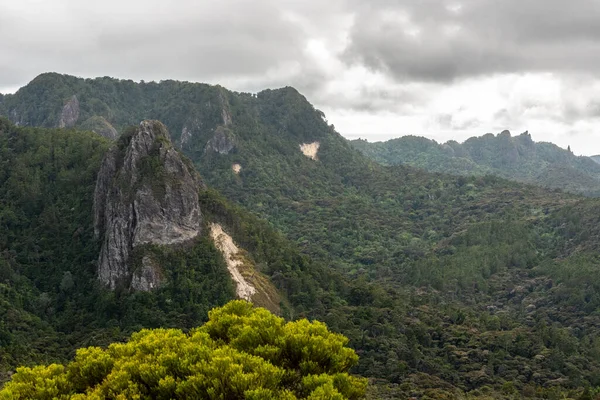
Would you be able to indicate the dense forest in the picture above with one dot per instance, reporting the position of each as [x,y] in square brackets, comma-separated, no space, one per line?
[446,286]
[512,157]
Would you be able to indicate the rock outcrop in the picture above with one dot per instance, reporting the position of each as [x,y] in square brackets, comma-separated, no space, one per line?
[230,251]
[250,283]
[100,126]
[146,194]
[222,142]
[69,114]
[310,149]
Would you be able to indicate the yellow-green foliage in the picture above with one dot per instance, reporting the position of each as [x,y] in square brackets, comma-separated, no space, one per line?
[242,352]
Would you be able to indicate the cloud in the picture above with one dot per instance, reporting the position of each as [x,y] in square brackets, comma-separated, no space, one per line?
[152,39]
[434,40]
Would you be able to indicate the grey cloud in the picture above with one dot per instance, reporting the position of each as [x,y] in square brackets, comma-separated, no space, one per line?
[199,41]
[572,113]
[484,37]
[447,121]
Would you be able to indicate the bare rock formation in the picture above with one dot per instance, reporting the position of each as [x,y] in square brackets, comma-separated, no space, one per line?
[222,142]
[250,283]
[69,114]
[146,194]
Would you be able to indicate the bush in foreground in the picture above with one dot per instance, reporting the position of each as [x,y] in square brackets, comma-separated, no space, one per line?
[242,352]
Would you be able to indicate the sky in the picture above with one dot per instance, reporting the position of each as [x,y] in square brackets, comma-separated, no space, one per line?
[379,69]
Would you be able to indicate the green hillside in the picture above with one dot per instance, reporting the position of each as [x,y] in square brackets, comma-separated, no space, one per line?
[445,285]
[50,299]
[516,158]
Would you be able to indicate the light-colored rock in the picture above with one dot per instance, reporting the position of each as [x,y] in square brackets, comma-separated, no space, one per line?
[186,135]
[224,243]
[191,128]
[145,194]
[225,112]
[236,168]
[69,114]
[15,118]
[148,276]
[310,149]
[222,142]
[226,117]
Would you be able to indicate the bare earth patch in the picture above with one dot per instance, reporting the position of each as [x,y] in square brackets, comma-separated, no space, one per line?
[310,149]
[225,245]
[236,168]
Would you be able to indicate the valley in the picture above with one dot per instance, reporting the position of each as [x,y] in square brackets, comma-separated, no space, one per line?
[470,286]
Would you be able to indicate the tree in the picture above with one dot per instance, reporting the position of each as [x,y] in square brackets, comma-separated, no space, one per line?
[242,352]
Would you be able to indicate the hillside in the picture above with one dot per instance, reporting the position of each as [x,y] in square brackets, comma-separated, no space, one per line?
[51,300]
[443,284]
[516,158]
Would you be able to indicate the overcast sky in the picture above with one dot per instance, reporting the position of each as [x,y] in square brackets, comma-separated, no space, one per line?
[378,69]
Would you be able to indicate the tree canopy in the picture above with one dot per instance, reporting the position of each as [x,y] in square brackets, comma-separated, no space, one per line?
[242,352]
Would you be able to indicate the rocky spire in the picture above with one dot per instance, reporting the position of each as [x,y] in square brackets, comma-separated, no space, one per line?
[146,193]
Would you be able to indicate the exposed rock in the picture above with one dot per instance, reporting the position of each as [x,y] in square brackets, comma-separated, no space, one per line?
[250,284]
[225,112]
[145,194]
[192,127]
[186,135]
[226,117]
[230,252]
[148,276]
[310,149]
[15,118]
[236,168]
[69,114]
[222,141]
[100,126]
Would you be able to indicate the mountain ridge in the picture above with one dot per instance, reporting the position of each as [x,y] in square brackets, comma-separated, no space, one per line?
[512,157]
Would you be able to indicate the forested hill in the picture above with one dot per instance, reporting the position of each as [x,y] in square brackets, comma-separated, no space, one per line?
[444,284]
[512,157]
[51,300]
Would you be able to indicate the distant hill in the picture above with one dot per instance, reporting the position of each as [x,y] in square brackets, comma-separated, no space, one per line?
[512,157]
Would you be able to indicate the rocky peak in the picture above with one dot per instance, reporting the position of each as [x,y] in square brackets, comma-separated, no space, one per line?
[70,113]
[146,194]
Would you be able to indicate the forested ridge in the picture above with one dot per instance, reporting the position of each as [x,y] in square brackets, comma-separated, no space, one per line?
[444,285]
[512,157]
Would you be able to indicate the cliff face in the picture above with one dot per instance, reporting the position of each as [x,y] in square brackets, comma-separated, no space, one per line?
[69,114]
[222,142]
[146,194]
